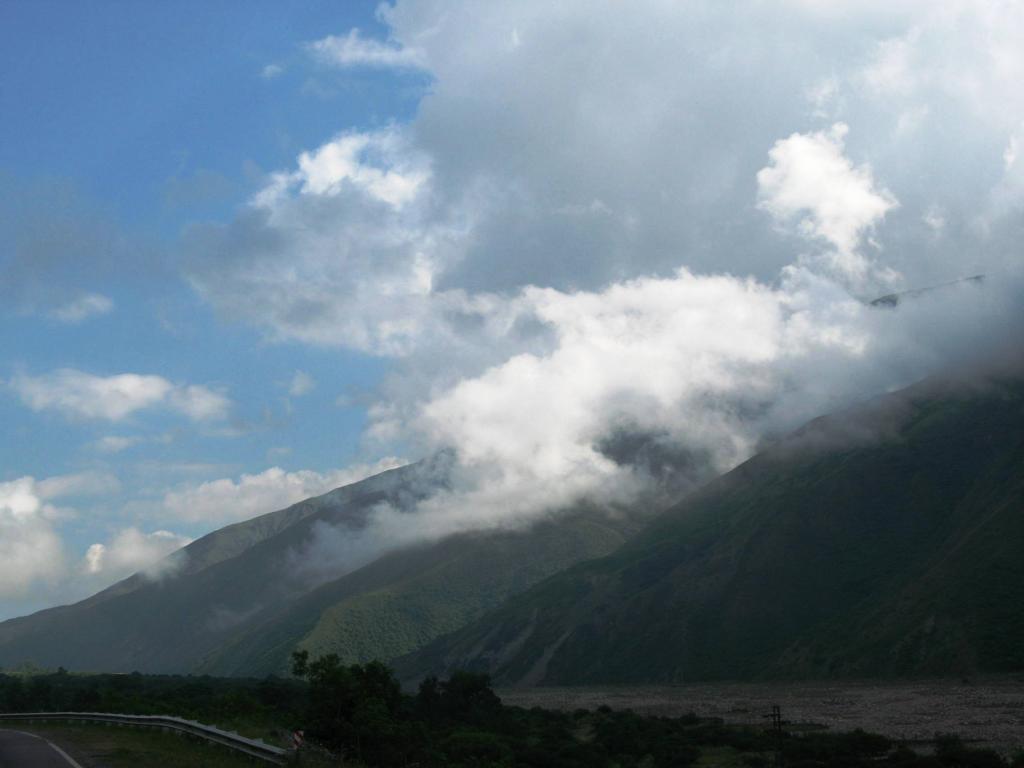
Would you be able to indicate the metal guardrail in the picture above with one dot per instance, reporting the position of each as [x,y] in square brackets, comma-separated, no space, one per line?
[252,747]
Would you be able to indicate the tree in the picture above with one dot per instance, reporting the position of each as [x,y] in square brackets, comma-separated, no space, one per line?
[353,708]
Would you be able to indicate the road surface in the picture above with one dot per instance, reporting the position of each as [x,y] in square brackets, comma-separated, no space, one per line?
[25,750]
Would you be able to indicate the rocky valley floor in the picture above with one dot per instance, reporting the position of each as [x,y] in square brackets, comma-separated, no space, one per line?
[986,711]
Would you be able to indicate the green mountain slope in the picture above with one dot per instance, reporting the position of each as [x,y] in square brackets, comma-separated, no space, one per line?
[407,598]
[222,580]
[242,598]
[885,540]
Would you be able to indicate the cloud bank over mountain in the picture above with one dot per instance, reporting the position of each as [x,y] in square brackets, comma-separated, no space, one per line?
[226,500]
[664,220]
[592,251]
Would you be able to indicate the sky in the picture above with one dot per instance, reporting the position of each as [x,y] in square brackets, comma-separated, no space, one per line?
[253,251]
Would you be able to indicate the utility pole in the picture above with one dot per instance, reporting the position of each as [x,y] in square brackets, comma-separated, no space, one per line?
[776,731]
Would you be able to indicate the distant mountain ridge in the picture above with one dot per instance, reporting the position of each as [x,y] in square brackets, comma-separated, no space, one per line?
[234,604]
[884,540]
[155,624]
[410,596]
[887,539]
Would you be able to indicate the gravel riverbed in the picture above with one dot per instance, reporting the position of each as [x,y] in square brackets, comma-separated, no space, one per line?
[988,711]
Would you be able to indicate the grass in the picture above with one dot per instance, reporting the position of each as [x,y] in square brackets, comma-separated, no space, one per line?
[95,746]
[722,757]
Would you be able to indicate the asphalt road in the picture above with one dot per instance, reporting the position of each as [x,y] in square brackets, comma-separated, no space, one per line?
[24,750]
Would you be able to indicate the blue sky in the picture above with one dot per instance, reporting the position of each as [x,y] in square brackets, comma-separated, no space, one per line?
[252,251]
[144,118]
[125,123]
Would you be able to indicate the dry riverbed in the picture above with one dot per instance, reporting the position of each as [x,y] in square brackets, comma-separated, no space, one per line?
[988,711]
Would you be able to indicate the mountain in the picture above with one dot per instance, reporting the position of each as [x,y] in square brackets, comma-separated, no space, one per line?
[884,540]
[168,623]
[240,599]
[408,597]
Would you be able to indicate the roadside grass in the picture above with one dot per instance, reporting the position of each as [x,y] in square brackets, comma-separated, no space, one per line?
[728,757]
[99,746]
[250,726]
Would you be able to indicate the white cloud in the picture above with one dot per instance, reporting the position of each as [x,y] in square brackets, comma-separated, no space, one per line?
[823,96]
[132,551]
[116,443]
[31,551]
[34,563]
[934,218]
[705,367]
[376,164]
[301,384]
[270,71]
[354,50]
[810,179]
[80,484]
[199,403]
[18,498]
[891,71]
[227,500]
[557,245]
[85,306]
[646,354]
[1008,194]
[686,359]
[77,394]
[966,54]
[515,141]
[336,252]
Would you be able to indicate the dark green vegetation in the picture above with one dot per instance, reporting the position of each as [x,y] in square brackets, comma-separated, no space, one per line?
[255,708]
[244,597]
[887,540]
[360,713]
[409,597]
